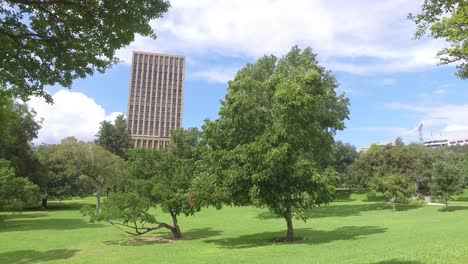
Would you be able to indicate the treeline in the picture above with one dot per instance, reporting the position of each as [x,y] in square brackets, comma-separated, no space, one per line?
[30,175]
[402,171]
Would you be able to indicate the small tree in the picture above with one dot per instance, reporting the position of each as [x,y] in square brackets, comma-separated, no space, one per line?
[447,180]
[395,187]
[155,178]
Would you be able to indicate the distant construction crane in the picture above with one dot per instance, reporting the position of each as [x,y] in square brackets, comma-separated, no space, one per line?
[420,132]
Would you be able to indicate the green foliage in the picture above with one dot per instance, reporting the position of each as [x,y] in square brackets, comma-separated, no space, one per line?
[447,180]
[114,136]
[274,137]
[395,187]
[95,168]
[155,178]
[16,193]
[345,155]
[447,20]
[55,42]
[18,129]
[412,160]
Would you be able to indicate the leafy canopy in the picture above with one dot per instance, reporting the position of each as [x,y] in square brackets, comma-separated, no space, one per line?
[114,136]
[55,42]
[448,20]
[274,137]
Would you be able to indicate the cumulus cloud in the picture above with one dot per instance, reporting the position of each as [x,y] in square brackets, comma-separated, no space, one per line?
[345,39]
[216,75]
[72,114]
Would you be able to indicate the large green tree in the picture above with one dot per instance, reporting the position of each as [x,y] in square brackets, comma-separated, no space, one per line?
[274,139]
[48,42]
[448,20]
[114,136]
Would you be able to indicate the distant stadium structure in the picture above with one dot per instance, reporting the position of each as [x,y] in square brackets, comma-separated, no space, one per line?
[440,143]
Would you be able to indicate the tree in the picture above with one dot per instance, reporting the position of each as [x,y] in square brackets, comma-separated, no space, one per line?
[93,165]
[155,178]
[396,187]
[19,127]
[447,180]
[447,20]
[114,137]
[345,155]
[55,42]
[273,140]
[16,193]
[412,160]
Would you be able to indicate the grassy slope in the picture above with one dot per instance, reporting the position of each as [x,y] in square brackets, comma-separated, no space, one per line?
[348,231]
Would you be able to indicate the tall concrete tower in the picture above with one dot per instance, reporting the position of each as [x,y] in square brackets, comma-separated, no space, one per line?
[156,99]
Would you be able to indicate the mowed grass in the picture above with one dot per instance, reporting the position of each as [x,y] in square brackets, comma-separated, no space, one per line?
[350,230]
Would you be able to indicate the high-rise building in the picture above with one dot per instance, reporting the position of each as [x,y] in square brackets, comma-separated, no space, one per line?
[155,103]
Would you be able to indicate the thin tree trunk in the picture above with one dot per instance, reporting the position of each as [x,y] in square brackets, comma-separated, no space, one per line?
[290,232]
[393,204]
[44,202]
[446,202]
[176,229]
[98,202]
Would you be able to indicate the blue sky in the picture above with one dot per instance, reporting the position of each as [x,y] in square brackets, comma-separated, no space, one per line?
[391,79]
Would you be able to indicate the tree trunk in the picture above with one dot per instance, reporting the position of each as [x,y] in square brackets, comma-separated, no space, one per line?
[290,232]
[393,204]
[44,202]
[446,202]
[98,202]
[175,229]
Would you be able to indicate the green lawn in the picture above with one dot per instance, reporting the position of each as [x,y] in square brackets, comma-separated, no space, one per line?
[352,230]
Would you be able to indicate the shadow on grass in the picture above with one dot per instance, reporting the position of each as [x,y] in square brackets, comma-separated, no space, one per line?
[460,199]
[33,256]
[453,208]
[199,233]
[342,210]
[11,216]
[397,261]
[16,225]
[309,236]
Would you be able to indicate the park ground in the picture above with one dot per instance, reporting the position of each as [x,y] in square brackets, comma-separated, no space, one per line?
[352,229]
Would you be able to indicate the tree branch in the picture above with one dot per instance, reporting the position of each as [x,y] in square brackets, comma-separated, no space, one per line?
[137,229]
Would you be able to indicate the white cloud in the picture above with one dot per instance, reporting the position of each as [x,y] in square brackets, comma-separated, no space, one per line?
[389,81]
[72,114]
[217,75]
[439,92]
[448,121]
[345,39]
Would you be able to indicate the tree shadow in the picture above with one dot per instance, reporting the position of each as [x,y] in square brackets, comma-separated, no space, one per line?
[334,210]
[16,225]
[397,261]
[343,210]
[23,216]
[309,236]
[453,208]
[460,199]
[33,256]
[165,237]
[343,195]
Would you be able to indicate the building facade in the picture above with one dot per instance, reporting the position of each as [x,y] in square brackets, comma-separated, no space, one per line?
[156,98]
